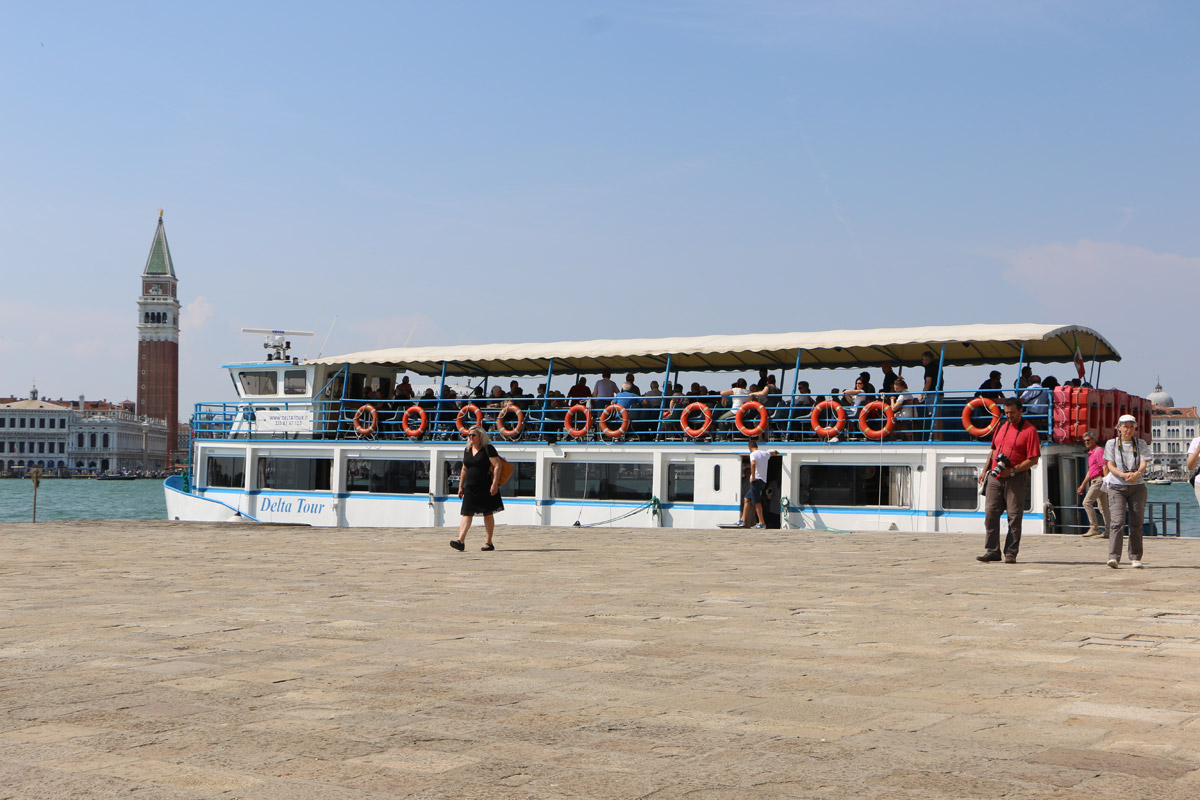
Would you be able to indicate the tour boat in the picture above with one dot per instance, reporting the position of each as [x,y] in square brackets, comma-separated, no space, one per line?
[312,442]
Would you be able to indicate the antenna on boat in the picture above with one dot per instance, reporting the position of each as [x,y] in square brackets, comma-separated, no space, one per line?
[327,333]
[278,343]
[316,327]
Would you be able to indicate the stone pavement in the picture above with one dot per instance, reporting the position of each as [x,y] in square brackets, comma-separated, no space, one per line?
[175,660]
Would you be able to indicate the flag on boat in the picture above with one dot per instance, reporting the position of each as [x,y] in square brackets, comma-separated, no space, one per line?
[1079,360]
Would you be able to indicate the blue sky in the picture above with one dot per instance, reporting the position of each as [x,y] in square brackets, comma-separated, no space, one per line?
[535,171]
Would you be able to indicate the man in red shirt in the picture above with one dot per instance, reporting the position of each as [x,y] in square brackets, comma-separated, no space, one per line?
[1017,439]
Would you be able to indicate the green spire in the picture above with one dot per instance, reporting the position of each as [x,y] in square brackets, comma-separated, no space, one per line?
[159,262]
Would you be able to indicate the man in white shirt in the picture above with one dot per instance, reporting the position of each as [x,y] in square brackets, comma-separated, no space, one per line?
[758,485]
[604,391]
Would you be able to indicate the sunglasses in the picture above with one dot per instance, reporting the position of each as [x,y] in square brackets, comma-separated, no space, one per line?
[472,433]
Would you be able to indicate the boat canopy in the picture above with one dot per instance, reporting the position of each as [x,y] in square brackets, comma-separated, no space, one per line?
[965,345]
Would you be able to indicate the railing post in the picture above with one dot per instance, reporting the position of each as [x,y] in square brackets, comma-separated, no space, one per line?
[668,391]
[437,411]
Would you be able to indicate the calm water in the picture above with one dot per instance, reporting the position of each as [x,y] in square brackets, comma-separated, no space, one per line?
[89,499]
[60,499]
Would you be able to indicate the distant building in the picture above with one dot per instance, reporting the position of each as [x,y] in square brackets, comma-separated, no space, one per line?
[158,341]
[33,433]
[90,436]
[111,438]
[1172,429]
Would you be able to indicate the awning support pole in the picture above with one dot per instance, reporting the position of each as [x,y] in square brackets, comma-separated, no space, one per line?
[667,391]
[935,422]
[1095,350]
[795,386]
[546,395]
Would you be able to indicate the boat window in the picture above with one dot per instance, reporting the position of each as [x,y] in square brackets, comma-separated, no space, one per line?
[716,477]
[259,382]
[960,488]
[523,482]
[387,476]
[681,483]
[578,480]
[301,474]
[853,485]
[294,382]
[226,472]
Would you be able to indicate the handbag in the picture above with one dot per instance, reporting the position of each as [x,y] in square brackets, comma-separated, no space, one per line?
[506,471]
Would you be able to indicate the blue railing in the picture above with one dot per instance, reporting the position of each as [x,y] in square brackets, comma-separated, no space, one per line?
[935,416]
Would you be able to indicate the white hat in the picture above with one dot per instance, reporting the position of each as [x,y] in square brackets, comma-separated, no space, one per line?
[1127,418]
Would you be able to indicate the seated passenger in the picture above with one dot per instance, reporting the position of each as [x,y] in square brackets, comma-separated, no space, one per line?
[404,390]
[1036,400]
[903,407]
[604,391]
[991,388]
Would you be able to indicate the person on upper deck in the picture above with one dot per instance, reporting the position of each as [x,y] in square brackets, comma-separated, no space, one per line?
[903,406]
[629,379]
[1036,400]
[992,387]
[929,389]
[404,390]
[605,389]
[889,379]
[737,394]
[580,390]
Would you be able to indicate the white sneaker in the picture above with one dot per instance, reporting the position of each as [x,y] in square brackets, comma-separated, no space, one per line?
[1112,562]
[760,525]
[1135,564]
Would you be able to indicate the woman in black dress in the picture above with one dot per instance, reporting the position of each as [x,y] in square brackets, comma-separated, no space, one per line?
[478,486]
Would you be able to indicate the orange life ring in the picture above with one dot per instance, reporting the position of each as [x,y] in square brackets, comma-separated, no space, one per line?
[696,433]
[969,408]
[889,420]
[364,430]
[458,423]
[515,430]
[421,426]
[613,433]
[575,433]
[740,420]
[815,418]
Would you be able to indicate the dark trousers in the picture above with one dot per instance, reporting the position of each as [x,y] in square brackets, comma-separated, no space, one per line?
[1004,495]
[1126,503]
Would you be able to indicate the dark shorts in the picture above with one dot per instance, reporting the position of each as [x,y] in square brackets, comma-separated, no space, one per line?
[755,493]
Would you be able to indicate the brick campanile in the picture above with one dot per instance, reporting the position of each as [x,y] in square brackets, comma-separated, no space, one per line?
[158,340]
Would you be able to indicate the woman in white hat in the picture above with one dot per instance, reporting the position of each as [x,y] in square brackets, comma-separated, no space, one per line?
[1127,457]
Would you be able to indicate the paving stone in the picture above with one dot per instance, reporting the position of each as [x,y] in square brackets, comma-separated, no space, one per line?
[169,661]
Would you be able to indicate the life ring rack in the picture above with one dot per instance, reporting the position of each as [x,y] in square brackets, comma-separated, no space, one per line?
[969,424]
[368,429]
[830,430]
[422,421]
[573,432]
[458,421]
[606,414]
[517,429]
[696,433]
[889,420]
[739,418]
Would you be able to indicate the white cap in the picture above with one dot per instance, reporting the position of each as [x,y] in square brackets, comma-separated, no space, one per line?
[1127,418]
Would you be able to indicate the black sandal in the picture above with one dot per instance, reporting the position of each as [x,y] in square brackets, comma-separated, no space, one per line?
[488,546]
[457,545]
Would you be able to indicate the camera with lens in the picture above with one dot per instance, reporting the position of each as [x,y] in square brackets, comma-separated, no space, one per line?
[1002,463]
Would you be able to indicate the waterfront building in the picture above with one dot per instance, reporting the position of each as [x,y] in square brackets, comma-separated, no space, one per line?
[1172,429]
[33,433]
[111,438]
[158,342]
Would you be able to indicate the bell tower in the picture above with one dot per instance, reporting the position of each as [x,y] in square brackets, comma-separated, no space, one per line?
[158,339]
